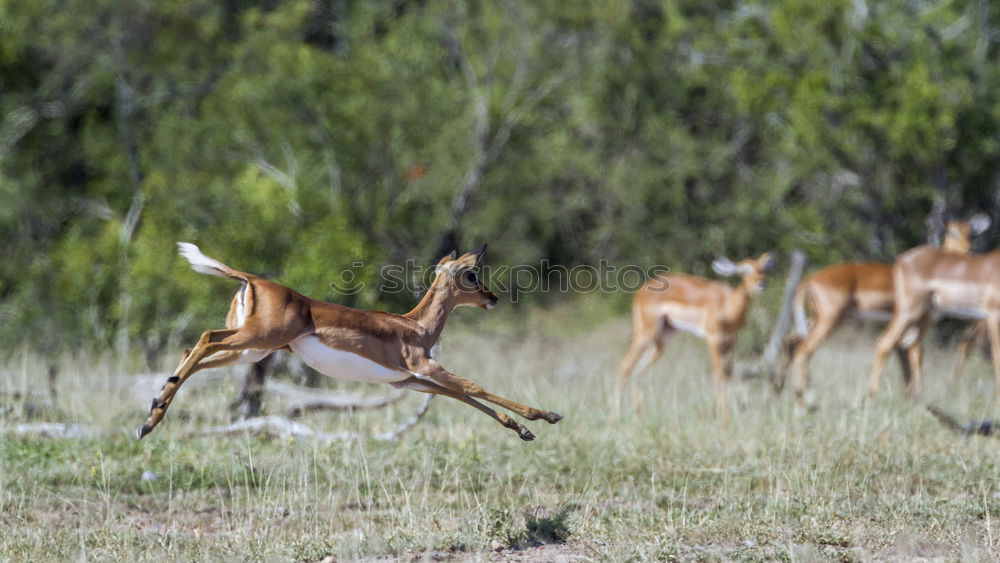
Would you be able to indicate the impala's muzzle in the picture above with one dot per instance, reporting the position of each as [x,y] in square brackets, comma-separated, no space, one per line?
[491,302]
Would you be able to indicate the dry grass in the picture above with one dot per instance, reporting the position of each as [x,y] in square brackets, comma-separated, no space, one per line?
[847,482]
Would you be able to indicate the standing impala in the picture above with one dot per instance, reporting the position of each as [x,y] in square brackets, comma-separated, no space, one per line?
[928,281]
[342,342]
[708,309]
[864,289]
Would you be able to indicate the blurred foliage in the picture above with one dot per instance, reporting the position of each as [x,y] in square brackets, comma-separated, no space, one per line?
[295,138]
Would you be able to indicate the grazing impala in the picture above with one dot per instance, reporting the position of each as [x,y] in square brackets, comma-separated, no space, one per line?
[708,309]
[928,281]
[864,289]
[345,343]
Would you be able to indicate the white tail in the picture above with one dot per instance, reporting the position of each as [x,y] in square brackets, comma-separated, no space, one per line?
[203,264]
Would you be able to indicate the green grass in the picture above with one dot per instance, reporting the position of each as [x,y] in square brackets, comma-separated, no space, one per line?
[846,482]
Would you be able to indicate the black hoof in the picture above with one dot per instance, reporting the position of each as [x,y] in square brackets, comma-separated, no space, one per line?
[552,417]
[142,431]
[525,434]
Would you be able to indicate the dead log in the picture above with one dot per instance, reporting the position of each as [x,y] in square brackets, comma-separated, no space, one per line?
[275,426]
[307,399]
[56,430]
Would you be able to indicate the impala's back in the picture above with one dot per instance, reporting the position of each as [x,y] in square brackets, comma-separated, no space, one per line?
[867,286]
[960,285]
[680,298]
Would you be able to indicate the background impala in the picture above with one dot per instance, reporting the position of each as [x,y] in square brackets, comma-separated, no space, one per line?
[864,290]
[708,309]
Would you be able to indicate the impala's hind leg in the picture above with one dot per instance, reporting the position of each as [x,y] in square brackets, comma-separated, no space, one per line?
[804,352]
[965,346]
[220,347]
[639,347]
[638,357]
[905,321]
[653,353]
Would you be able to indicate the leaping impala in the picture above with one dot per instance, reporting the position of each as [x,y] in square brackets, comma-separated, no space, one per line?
[342,342]
[929,280]
[864,289]
[708,309]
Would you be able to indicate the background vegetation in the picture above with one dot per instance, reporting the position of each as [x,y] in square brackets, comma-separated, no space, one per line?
[295,138]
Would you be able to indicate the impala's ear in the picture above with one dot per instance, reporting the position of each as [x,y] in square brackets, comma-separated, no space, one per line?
[448,258]
[724,267]
[470,259]
[445,261]
[767,261]
[979,223]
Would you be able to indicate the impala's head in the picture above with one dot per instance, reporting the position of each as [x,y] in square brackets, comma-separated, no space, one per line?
[958,234]
[457,274]
[752,270]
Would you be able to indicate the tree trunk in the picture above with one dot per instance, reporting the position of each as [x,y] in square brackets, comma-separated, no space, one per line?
[251,396]
[769,360]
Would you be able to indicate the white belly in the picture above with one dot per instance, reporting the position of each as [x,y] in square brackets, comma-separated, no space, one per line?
[339,364]
[690,328]
[684,319]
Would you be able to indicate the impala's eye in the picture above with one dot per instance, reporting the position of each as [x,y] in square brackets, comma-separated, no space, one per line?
[470,277]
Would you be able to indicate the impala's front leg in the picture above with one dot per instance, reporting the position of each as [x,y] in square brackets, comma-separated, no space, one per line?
[639,347]
[721,371]
[448,380]
[889,340]
[425,386]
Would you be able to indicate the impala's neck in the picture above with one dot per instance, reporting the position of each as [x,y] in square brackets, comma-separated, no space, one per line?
[739,302]
[433,310]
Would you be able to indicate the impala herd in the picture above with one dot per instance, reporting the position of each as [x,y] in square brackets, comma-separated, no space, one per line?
[925,283]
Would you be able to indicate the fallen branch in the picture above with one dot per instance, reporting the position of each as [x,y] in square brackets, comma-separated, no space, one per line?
[276,426]
[306,399]
[50,430]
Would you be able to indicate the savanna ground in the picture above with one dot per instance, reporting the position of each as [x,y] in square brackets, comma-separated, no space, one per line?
[847,482]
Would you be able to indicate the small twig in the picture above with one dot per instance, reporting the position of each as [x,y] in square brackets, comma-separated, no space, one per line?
[980,427]
[408,423]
